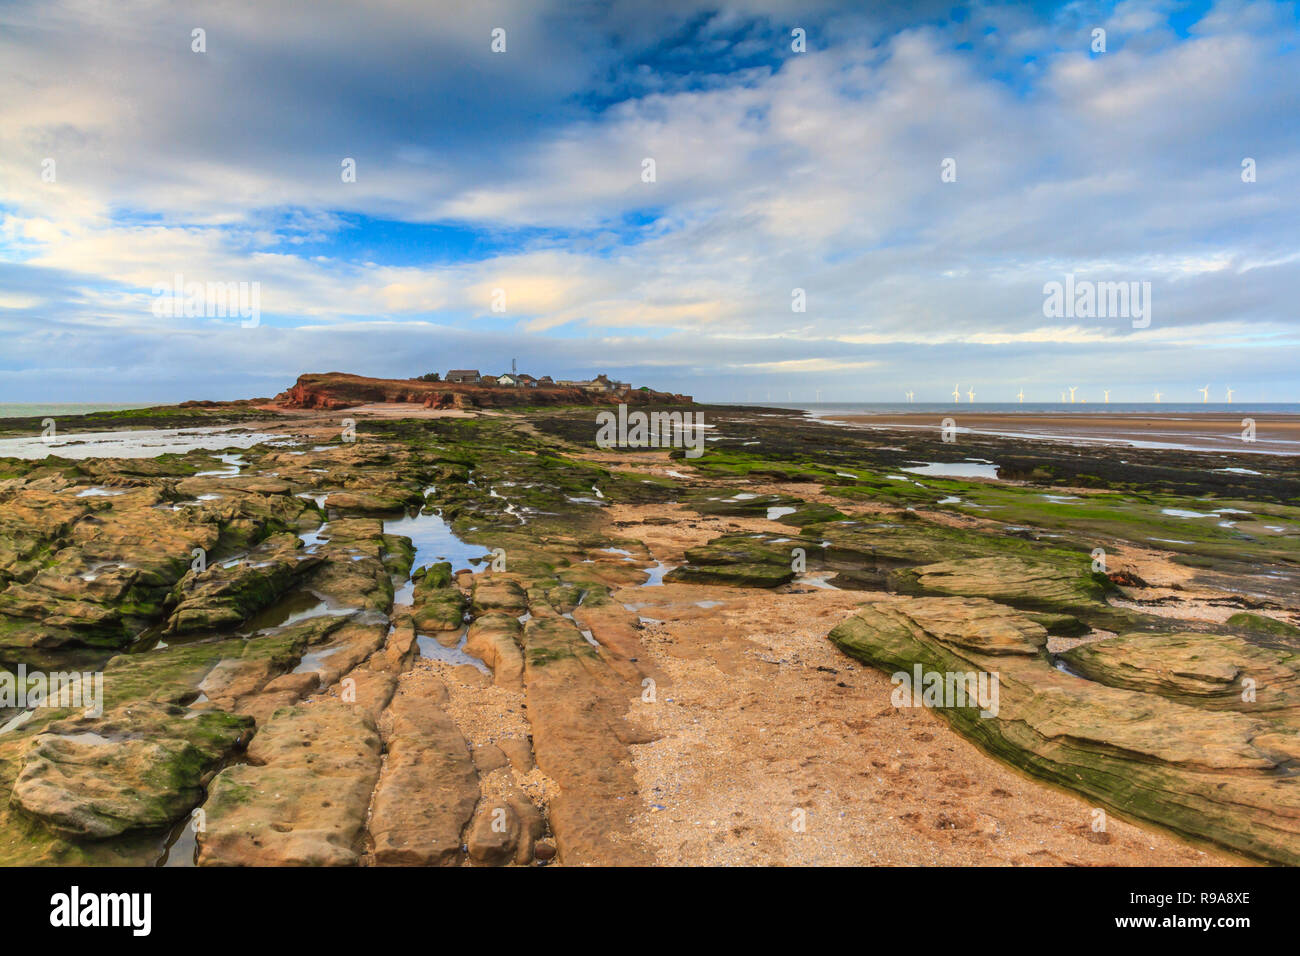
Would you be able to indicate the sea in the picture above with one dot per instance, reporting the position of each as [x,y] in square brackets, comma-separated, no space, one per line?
[42,409]
[1155,409]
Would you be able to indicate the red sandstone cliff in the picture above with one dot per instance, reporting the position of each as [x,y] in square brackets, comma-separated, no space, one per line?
[332,390]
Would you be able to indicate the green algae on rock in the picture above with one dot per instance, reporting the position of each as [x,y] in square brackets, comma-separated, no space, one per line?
[736,560]
[302,643]
[1216,671]
[1211,774]
[133,768]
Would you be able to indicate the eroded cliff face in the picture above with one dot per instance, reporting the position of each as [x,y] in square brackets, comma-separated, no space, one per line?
[335,390]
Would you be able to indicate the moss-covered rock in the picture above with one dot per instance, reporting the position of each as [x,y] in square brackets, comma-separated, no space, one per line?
[302,798]
[1217,671]
[1206,773]
[738,560]
[1057,587]
[432,578]
[495,593]
[134,768]
[229,593]
[1260,624]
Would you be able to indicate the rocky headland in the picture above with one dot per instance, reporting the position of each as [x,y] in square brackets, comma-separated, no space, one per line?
[335,390]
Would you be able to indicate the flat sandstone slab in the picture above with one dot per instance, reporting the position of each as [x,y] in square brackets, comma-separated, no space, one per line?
[302,798]
[1215,775]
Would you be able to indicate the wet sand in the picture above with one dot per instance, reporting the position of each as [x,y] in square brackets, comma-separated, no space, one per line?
[1212,431]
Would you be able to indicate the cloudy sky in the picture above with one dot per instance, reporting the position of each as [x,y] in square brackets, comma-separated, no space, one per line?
[128,158]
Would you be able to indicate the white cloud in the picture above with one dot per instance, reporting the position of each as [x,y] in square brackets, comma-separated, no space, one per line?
[822,174]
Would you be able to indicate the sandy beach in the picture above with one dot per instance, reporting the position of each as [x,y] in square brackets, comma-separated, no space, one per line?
[1213,431]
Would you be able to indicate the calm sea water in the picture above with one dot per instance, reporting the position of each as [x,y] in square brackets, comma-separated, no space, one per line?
[1186,426]
[1159,409]
[26,410]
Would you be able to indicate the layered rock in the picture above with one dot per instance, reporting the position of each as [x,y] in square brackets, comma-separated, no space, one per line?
[495,638]
[746,561]
[108,561]
[358,756]
[134,768]
[301,799]
[1215,671]
[576,704]
[1059,587]
[429,786]
[498,593]
[359,562]
[229,593]
[439,604]
[1212,774]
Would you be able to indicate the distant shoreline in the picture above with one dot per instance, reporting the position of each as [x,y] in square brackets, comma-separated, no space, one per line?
[1151,409]
[32,409]
[1211,431]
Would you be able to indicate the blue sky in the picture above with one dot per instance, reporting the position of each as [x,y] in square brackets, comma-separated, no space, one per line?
[775,170]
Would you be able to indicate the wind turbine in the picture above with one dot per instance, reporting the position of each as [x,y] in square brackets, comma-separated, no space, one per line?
[1021,396]
[819,395]
[1157,396]
[956,394]
[1106,392]
[1062,398]
[1072,388]
[910,395]
[1205,393]
[971,393]
[1229,394]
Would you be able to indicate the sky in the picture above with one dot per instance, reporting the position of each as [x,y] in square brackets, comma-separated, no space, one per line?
[651,190]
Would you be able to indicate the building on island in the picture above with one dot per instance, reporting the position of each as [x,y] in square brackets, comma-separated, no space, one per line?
[601,383]
[517,380]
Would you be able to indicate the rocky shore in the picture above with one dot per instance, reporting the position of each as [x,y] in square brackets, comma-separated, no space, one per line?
[465,635]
